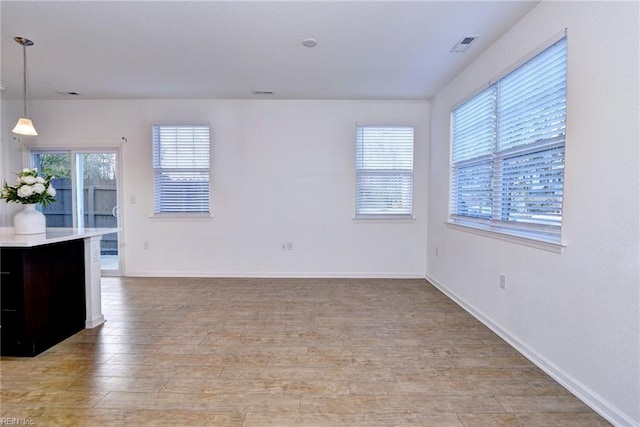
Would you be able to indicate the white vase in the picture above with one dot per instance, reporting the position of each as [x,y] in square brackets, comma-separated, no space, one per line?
[29,221]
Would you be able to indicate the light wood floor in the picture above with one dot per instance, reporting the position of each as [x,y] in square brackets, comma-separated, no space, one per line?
[259,352]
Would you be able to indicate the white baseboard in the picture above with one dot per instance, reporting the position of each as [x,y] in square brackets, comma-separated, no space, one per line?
[96,321]
[573,385]
[275,275]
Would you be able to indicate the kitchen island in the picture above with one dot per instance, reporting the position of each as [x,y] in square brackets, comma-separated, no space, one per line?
[50,287]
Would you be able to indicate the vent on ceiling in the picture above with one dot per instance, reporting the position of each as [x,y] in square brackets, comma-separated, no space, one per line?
[263,92]
[464,44]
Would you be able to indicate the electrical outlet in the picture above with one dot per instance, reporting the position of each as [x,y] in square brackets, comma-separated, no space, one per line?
[437,251]
[283,246]
[289,246]
[145,245]
[503,281]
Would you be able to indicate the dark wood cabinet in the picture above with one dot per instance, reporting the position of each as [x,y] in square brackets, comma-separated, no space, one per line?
[42,296]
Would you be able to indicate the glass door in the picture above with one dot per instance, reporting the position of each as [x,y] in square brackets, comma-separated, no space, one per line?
[97,201]
[86,184]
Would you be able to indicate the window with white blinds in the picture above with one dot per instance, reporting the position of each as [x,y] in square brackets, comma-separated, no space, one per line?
[181,169]
[507,162]
[384,171]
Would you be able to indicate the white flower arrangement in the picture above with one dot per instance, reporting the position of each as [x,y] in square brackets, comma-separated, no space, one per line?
[29,188]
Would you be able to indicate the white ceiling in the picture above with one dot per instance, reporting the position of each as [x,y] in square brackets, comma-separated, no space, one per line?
[227,49]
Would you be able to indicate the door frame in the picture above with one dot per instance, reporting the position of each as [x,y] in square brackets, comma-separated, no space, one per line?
[28,156]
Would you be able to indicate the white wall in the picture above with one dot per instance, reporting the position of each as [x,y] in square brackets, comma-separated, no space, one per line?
[282,171]
[576,313]
[10,158]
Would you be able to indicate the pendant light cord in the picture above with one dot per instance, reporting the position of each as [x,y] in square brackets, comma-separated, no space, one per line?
[24,42]
[24,77]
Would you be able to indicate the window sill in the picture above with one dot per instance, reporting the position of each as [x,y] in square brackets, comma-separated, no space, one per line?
[181,218]
[530,239]
[384,219]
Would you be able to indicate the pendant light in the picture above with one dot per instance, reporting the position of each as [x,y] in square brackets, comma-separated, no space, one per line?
[24,125]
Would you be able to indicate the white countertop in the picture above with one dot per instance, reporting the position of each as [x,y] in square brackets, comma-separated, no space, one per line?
[8,239]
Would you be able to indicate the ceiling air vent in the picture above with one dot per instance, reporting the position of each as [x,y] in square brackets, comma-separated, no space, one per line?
[64,93]
[263,92]
[464,44]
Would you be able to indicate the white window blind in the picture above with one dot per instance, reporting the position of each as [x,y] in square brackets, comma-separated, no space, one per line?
[474,137]
[384,171]
[181,168]
[507,163]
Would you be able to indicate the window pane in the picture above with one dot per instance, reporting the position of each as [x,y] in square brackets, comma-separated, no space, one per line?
[474,125]
[532,187]
[181,168]
[58,165]
[384,170]
[388,194]
[532,100]
[473,189]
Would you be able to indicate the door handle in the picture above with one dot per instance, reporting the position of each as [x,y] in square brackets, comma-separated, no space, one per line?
[115,211]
